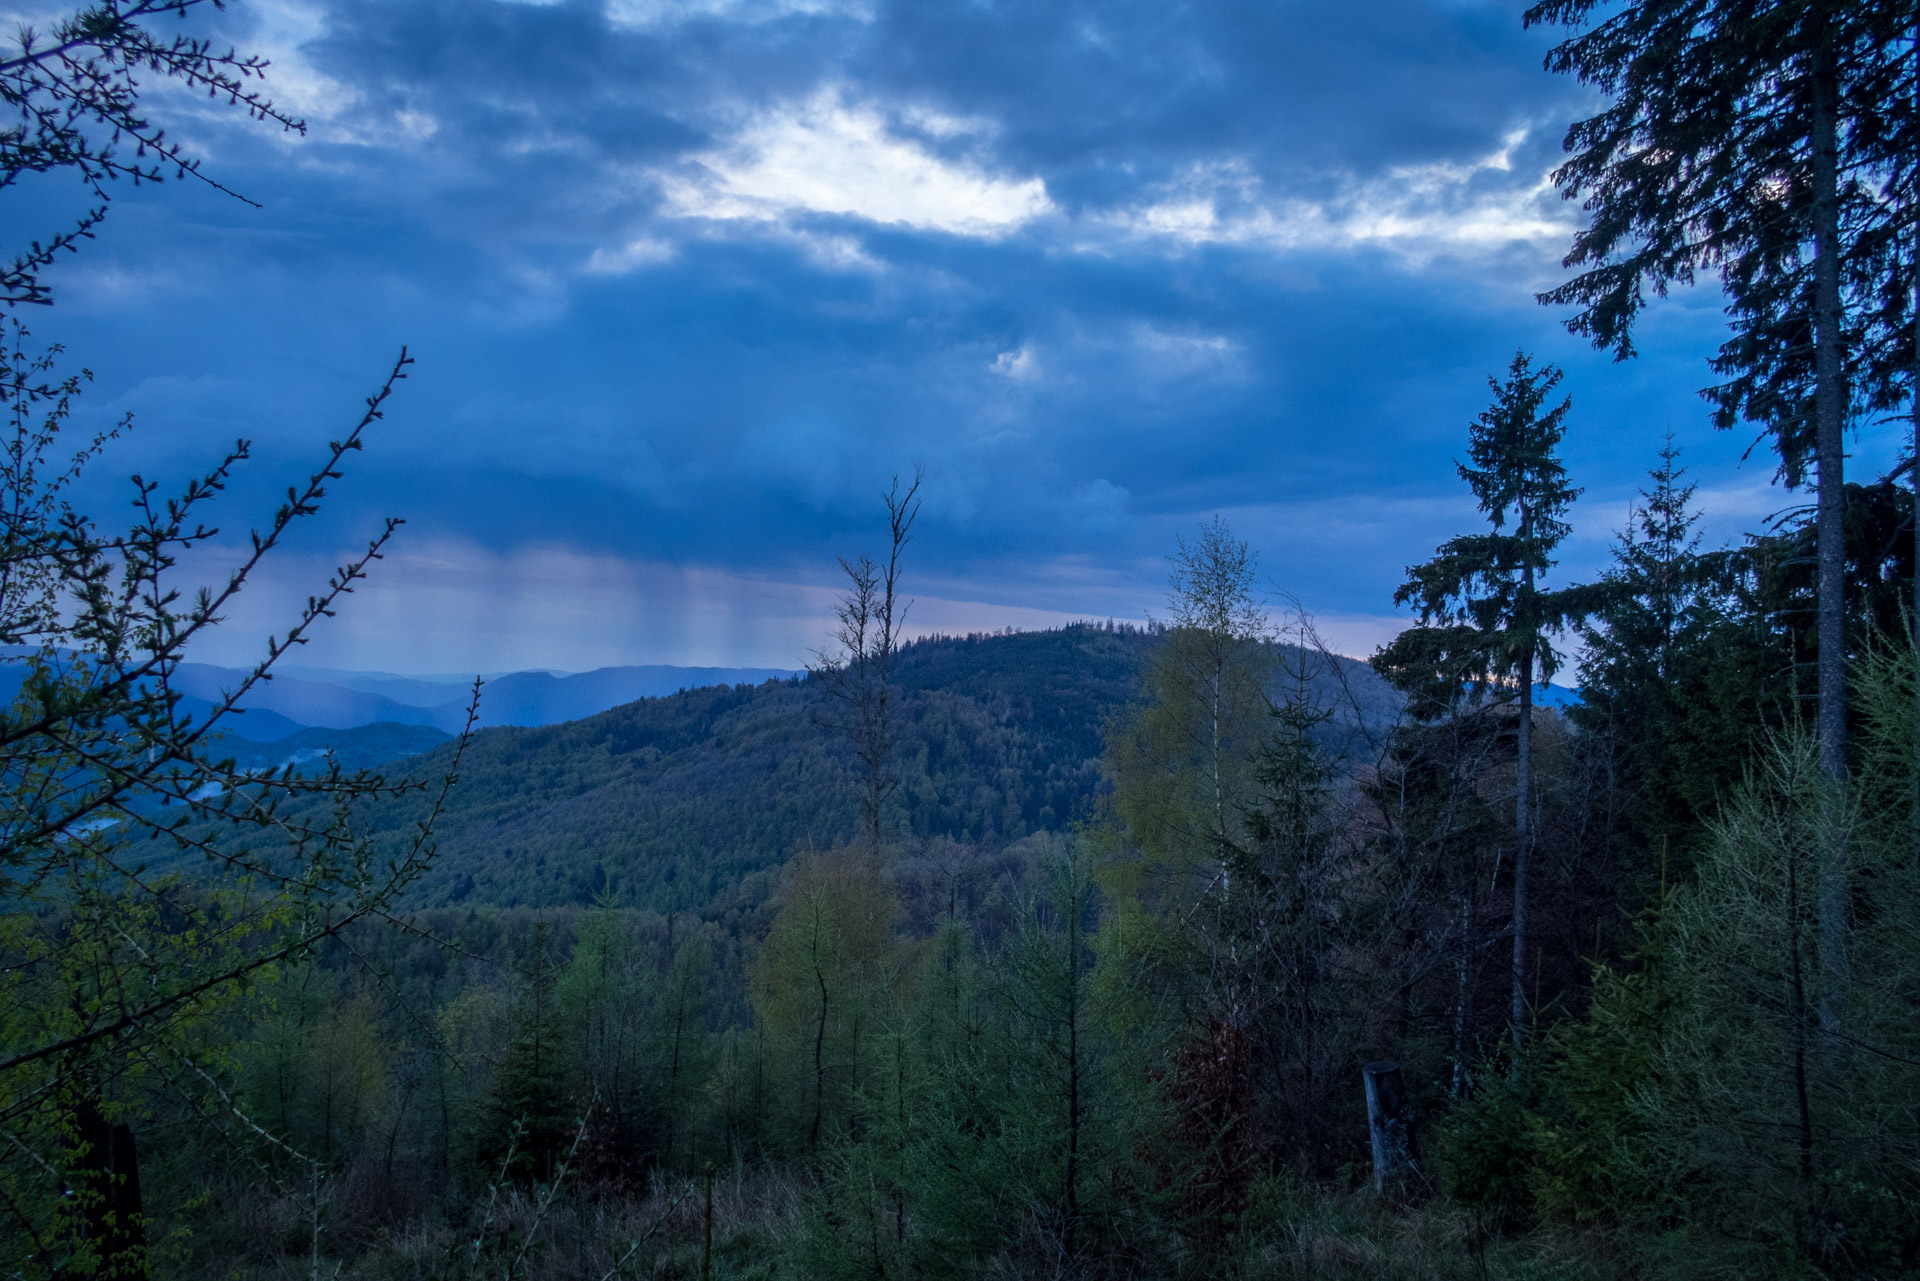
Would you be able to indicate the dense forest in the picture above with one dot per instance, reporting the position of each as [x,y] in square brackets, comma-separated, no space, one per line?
[696,800]
[1186,950]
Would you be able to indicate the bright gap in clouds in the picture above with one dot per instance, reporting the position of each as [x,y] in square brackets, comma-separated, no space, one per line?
[1417,211]
[650,15]
[826,156]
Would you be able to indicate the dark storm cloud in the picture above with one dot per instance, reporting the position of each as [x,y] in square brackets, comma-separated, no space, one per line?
[688,282]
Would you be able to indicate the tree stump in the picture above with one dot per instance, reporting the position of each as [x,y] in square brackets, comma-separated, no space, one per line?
[1389,1125]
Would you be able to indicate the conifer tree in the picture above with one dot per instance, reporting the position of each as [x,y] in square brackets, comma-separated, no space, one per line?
[1480,597]
[1038,1113]
[1734,141]
[679,1040]
[1281,926]
[530,1114]
[1751,139]
[1648,605]
[602,999]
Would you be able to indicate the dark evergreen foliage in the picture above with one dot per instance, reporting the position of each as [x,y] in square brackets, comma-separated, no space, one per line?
[696,800]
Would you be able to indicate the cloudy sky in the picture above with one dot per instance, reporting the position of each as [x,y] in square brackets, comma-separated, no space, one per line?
[689,280]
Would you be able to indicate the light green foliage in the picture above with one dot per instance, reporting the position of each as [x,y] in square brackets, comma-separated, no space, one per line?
[1700,1101]
[637,1033]
[1063,1064]
[603,996]
[115,973]
[1183,762]
[1009,1122]
[1595,1142]
[1808,1139]
[1233,868]
[824,977]
[531,1111]
[679,1057]
[316,1072]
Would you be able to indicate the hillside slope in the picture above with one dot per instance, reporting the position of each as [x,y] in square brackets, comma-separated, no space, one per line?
[694,801]
[361,747]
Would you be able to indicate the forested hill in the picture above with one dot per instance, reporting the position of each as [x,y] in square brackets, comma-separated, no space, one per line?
[694,801]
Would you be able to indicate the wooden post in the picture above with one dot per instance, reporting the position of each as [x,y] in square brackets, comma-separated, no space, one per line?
[1389,1124]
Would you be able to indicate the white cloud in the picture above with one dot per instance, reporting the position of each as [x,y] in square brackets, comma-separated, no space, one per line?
[1419,211]
[630,257]
[647,15]
[827,156]
[1751,498]
[1021,364]
[281,31]
[335,110]
[1167,354]
[1355,635]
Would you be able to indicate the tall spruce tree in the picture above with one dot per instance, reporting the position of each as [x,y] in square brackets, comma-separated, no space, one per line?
[1736,140]
[1481,598]
[1749,137]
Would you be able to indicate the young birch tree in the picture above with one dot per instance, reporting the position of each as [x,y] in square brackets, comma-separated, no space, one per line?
[1184,765]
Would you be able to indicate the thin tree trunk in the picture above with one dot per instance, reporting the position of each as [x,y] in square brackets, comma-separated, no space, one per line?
[673,1071]
[1219,789]
[1830,399]
[1073,1062]
[1389,1126]
[900,1137]
[1523,845]
[1799,1021]
[393,1134]
[1462,994]
[1913,390]
[446,1123]
[854,1115]
[819,1065]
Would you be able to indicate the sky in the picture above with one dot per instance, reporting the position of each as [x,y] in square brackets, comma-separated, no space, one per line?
[688,282]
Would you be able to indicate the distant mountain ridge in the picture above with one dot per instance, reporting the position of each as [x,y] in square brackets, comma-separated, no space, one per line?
[370,718]
[300,697]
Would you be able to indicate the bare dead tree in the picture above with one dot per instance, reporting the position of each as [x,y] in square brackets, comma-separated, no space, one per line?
[858,672]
